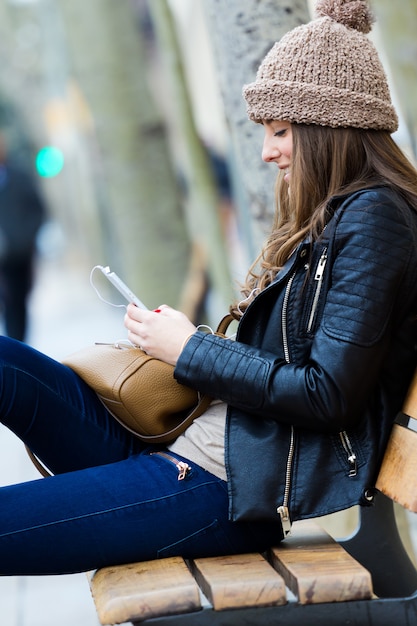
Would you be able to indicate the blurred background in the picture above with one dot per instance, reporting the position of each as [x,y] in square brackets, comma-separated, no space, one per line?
[123,124]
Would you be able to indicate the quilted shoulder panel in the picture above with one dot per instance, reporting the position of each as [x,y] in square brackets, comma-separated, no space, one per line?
[375,243]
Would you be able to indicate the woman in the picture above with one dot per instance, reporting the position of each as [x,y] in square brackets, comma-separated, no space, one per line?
[305,395]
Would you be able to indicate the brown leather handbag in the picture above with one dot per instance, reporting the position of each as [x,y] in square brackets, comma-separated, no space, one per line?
[140,391]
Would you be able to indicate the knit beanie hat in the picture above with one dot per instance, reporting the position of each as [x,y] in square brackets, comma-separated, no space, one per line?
[326,72]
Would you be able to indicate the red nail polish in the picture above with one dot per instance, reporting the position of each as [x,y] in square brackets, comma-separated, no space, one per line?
[157,310]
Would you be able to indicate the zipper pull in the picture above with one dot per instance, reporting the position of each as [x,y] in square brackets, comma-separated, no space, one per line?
[351,456]
[183,469]
[284,514]
[321,265]
[353,465]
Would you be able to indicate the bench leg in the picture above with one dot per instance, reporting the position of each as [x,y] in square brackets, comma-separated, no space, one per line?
[377,545]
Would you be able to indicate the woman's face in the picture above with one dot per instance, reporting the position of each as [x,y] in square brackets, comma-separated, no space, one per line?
[277,146]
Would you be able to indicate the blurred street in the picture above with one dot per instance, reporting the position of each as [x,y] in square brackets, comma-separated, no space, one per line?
[65,314]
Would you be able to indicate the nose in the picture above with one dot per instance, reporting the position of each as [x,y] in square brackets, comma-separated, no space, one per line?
[269,151]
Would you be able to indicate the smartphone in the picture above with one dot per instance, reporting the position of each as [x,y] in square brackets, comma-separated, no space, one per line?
[121,287]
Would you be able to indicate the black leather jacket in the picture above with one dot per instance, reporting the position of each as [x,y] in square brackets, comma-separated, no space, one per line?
[320,366]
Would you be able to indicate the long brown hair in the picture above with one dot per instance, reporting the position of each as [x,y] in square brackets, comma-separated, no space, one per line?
[325,162]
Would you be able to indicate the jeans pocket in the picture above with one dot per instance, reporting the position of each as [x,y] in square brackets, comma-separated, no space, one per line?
[182,467]
[208,541]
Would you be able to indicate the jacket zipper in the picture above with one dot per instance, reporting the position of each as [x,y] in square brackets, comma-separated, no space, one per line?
[351,456]
[182,467]
[318,277]
[283,510]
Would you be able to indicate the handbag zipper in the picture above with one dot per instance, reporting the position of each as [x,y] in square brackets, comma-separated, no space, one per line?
[182,467]
[283,510]
[318,277]
[351,456]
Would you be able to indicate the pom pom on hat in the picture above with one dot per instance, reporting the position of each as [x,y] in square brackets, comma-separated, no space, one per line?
[355,14]
[326,72]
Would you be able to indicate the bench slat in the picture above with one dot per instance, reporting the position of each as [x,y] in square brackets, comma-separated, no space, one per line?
[314,567]
[317,569]
[397,478]
[240,580]
[140,591]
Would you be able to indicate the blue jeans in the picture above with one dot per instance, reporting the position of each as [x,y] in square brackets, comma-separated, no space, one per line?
[110,500]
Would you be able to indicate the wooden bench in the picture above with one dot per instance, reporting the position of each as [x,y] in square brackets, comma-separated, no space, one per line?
[309,579]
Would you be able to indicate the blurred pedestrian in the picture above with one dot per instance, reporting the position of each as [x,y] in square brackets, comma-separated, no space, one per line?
[21,215]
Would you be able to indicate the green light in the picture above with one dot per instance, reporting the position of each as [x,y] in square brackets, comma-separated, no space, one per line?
[49,161]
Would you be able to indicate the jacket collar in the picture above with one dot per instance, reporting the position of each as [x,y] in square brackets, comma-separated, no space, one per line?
[300,252]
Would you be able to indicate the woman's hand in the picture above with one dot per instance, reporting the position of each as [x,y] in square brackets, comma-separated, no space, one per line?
[161,333]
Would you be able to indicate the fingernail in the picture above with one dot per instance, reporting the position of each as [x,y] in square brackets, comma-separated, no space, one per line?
[157,310]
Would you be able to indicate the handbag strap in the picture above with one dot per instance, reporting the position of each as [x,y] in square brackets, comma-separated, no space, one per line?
[224,325]
[39,466]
